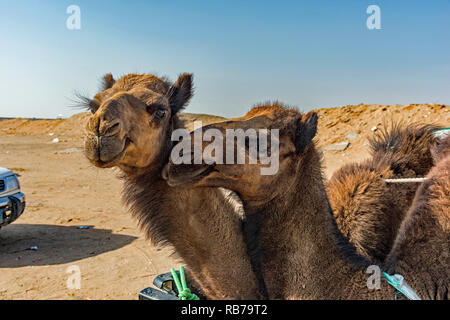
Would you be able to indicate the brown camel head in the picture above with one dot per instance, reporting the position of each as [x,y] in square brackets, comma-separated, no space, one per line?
[295,132]
[132,120]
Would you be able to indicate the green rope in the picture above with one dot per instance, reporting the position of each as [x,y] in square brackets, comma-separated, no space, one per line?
[397,281]
[183,291]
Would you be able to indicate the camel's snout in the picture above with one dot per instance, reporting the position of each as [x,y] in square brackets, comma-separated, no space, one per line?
[104,125]
[104,143]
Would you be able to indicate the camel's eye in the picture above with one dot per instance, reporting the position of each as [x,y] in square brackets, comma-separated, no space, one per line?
[160,114]
[157,111]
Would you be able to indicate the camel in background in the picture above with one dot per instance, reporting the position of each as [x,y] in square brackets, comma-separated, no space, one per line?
[369,210]
[430,211]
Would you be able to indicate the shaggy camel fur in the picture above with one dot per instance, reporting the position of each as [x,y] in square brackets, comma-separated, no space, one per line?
[367,209]
[131,126]
[301,251]
[423,244]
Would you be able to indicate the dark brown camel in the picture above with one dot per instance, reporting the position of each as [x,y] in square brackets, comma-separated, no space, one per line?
[423,243]
[301,252]
[131,126]
[367,209]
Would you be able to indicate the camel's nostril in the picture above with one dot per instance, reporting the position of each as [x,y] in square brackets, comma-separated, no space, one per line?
[111,130]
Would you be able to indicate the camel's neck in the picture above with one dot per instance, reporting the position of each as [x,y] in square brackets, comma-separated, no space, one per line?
[421,250]
[203,228]
[149,197]
[145,193]
[303,253]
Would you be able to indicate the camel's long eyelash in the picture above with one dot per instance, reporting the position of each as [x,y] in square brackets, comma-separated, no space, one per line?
[83,102]
[154,106]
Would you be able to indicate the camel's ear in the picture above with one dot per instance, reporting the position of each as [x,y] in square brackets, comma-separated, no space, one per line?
[180,93]
[107,81]
[306,130]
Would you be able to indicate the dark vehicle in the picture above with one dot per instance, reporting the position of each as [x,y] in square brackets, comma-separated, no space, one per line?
[12,201]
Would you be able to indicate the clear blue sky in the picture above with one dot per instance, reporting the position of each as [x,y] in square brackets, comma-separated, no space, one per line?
[306,53]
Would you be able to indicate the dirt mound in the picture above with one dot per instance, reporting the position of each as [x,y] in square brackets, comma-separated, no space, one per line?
[349,123]
[336,123]
[204,118]
[72,127]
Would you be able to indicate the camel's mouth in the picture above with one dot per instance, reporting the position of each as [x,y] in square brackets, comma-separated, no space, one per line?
[115,160]
[176,175]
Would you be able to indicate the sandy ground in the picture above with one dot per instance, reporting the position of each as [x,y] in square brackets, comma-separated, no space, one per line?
[64,191]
